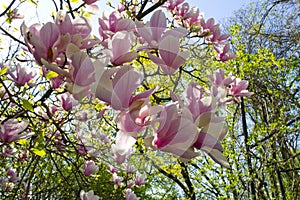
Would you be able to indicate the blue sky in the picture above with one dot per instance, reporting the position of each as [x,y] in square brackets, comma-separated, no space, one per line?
[218,9]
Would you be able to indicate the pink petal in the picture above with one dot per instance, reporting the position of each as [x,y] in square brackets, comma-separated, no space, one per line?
[217,156]
[82,27]
[83,73]
[125,24]
[49,34]
[124,142]
[168,49]
[143,95]
[158,23]
[125,82]
[126,57]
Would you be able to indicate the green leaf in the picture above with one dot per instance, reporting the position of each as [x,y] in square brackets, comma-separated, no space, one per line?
[3,71]
[51,74]
[39,152]
[27,105]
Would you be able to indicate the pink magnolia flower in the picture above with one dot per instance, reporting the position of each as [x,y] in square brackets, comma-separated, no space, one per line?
[216,37]
[88,195]
[182,11]
[77,31]
[90,167]
[82,71]
[13,176]
[130,195]
[137,117]
[67,101]
[212,31]
[213,130]
[128,168]
[175,133]
[193,17]
[9,131]
[120,151]
[197,103]
[8,151]
[81,149]
[172,4]
[22,75]
[155,31]
[56,82]
[139,178]
[16,14]
[219,80]
[223,53]
[119,48]
[113,23]
[170,58]
[117,180]
[112,169]
[239,89]
[42,41]
[118,92]
[207,26]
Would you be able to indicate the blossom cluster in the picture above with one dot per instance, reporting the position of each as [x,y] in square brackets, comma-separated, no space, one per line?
[183,126]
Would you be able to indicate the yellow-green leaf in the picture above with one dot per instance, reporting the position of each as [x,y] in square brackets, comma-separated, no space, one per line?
[22,142]
[27,105]
[51,74]
[39,152]
[3,71]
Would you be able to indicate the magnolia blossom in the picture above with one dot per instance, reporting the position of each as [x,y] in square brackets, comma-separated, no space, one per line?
[112,169]
[130,195]
[175,133]
[219,80]
[120,151]
[117,180]
[196,102]
[22,75]
[118,92]
[128,168]
[139,178]
[13,176]
[224,54]
[50,41]
[76,31]
[170,58]
[156,30]
[16,14]
[213,130]
[172,4]
[119,48]
[9,131]
[239,89]
[90,167]
[67,101]
[88,195]
[113,23]
[139,114]
[42,41]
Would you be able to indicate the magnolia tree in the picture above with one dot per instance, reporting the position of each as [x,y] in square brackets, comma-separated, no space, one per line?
[78,108]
